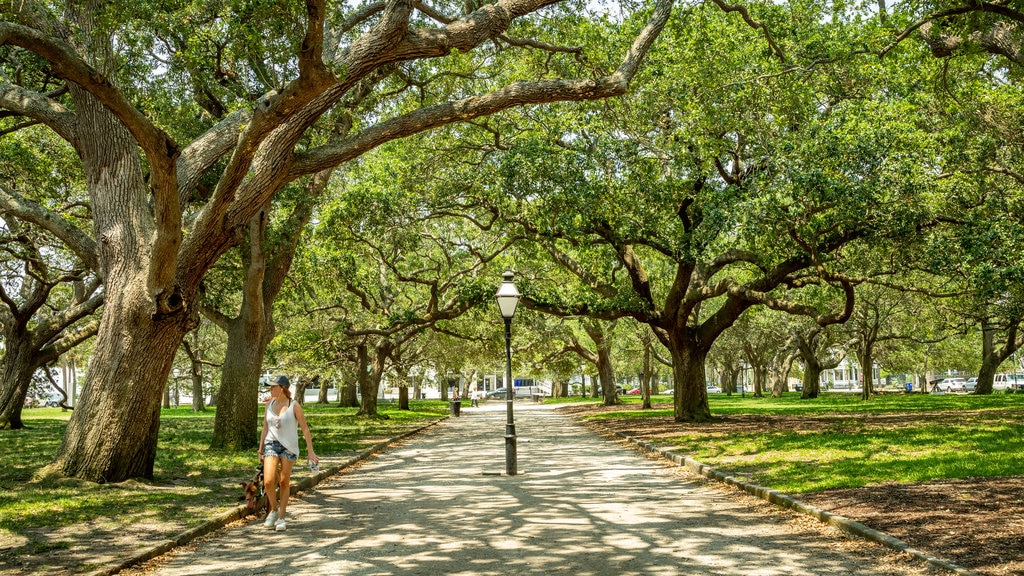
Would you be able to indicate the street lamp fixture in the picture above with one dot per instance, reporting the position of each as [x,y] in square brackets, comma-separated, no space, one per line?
[508,298]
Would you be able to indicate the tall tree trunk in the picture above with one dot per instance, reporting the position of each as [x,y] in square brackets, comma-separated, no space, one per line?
[198,396]
[357,383]
[299,392]
[236,424]
[371,384]
[195,355]
[402,375]
[19,363]
[348,396]
[992,357]
[691,393]
[112,433]
[645,373]
[865,355]
[607,376]
[417,385]
[812,379]
[760,380]
[599,334]
[251,331]
[781,383]
[321,384]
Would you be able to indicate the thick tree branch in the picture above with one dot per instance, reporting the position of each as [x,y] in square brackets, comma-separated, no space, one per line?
[159,147]
[999,9]
[214,315]
[462,35]
[39,107]
[27,210]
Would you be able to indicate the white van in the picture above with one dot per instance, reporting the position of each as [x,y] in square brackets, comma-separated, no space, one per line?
[1004,381]
[531,391]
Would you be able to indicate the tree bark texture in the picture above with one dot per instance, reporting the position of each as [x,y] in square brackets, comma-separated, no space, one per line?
[236,425]
[112,433]
[599,334]
[369,386]
[19,363]
[690,399]
[811,381]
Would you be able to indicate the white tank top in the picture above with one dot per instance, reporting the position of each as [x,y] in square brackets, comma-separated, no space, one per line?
[284,428]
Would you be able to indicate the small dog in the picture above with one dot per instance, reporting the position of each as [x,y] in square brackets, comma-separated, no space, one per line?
[253,490]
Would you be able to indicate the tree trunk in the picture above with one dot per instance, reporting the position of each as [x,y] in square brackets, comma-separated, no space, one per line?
[691,392]
[403,397]
[348,396]
[236,424]
[357,383]
[198,396]
[417,393]
[20,361]
[598,333]
[645,376]
[990,359]
[322,385]
[112,433]
[760,380]
[299,391]
[867,369]
[782,383]
[812,379]
[371,384]
[253,328]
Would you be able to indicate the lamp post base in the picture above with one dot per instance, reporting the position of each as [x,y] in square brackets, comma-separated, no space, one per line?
[510,450]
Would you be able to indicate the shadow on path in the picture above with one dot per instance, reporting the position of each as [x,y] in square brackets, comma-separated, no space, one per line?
[440,503]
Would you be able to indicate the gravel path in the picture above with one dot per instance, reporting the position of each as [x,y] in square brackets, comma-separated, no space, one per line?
[439,503]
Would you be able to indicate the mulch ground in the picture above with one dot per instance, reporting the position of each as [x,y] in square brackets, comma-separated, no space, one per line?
[976,523]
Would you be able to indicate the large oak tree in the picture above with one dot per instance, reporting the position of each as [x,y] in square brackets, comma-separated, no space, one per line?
[152,252]
[731,179]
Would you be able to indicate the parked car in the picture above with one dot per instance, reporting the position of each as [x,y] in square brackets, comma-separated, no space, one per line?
[953,385]
[634,391]
[971,384]
[714,390]
[497,393]
[670,391]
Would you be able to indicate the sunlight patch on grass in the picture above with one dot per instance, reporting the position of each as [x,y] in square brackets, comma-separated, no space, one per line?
[839,440]
[190,482]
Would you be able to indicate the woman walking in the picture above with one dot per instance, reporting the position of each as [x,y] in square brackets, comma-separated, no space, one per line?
[279,447]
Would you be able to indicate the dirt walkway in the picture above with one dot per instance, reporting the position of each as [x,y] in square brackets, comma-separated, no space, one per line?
[440,504]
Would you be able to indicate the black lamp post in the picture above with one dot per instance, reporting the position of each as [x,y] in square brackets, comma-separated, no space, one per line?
[508,298]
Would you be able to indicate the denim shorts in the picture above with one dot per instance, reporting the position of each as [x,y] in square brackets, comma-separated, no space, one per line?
[275,448]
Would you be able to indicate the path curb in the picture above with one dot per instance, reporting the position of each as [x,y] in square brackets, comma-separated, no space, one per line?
[242,511]
[786,501]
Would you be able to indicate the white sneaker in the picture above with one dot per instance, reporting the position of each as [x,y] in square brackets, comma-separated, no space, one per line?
[280,526]
[271,518]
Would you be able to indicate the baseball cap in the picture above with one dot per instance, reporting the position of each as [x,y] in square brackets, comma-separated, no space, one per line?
[277,380]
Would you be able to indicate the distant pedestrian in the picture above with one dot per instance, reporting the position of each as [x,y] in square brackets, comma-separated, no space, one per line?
[279,447]
[474,397]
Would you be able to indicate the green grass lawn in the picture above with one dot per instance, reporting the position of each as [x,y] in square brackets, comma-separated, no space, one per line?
[840,441]
[191,483]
